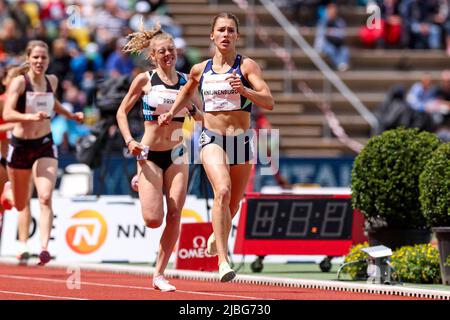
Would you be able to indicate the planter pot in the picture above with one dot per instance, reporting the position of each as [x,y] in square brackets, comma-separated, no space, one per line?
[443,238]
[396,238]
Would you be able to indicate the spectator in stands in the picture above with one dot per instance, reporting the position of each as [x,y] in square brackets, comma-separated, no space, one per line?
[395,112]
[308,10]
[53,12]
[392,110]
[183,61]
[4,12]
[439,107]
[420,93]
[66,132]
[60,66]
[119,63]
[40,33]
[418,97]
[28,13]
[423,22]
[19,16]
[66,32]
[268,144]
[93,72]
[83,62]
[14,42]
[330,38]
[445,11]
[158,6]
[388,30]
[151,18]
[109,22]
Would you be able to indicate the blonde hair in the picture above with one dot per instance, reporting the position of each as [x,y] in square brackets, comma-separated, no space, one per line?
[36,43]
[13,71]
[18,70]
[142,39]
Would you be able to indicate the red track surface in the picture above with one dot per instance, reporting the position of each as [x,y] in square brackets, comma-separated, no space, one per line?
[36,283]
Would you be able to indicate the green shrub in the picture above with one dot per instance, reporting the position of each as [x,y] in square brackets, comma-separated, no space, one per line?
[434,187]
[416,264]
[357,270]
[385,177]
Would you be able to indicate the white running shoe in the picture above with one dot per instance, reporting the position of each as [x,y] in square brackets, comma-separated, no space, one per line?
[211,248]
[160,283]
[225,272]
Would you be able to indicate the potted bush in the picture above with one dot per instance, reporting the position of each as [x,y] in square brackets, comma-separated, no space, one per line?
[434,186]
[385,186]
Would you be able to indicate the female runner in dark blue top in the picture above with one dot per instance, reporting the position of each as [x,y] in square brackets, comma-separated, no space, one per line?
[230,84]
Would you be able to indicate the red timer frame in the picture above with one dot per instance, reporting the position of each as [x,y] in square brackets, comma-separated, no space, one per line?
[264,247]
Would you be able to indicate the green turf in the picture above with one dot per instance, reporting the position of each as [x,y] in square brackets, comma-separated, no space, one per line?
[312,271]
[291,270]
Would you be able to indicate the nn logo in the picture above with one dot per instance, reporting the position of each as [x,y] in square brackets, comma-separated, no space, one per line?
[87,232]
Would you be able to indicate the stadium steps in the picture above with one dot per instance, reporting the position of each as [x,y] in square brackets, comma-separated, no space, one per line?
[358,80]
[300,120]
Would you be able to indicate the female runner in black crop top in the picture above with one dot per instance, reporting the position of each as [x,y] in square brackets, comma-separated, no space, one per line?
[32,154]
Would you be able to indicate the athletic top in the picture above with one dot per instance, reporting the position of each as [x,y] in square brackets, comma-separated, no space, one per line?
[160,98]
[217,93]
[33,102]
[3,135]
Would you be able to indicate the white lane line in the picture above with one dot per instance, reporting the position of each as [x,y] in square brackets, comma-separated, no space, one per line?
[40,295]
[231,296]
[224,295]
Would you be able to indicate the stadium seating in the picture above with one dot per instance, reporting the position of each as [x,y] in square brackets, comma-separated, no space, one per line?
[303,129]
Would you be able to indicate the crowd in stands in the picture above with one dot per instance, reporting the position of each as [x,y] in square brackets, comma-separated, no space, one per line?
[85,38]
[399,24]
[424,106]
[414,24]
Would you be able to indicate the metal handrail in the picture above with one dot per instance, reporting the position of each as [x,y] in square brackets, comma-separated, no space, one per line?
[329,74]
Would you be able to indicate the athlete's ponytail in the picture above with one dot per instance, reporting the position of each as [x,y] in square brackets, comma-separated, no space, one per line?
[142,39]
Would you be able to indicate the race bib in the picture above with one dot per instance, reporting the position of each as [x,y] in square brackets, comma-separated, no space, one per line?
[39,101]
[166,99]
[218,94]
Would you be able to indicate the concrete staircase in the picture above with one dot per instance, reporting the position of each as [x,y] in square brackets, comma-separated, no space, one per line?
[303,130]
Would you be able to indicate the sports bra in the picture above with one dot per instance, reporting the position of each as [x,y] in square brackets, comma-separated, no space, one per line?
[31,101]
[160,98]
[3,135]
[217,93]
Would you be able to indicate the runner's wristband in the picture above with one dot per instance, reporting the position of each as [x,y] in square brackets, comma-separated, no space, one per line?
[129,141]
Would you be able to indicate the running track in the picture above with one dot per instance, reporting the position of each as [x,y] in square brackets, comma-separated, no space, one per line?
[40,283]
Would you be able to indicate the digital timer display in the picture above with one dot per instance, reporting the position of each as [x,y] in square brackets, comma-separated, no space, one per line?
[309,224]
[299,219]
